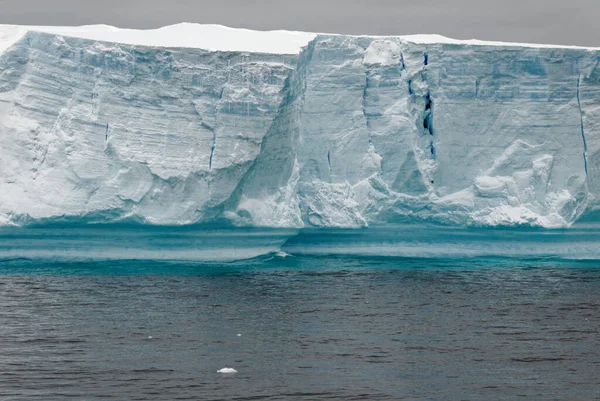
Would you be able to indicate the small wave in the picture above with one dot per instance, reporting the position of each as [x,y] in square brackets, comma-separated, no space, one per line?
[537,359]
[15,259]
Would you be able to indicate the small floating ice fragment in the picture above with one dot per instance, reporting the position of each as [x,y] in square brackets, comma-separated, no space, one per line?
[227,371]
[239,335]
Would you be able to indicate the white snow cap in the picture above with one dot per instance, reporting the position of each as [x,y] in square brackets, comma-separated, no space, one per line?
[209,37]
[214,37]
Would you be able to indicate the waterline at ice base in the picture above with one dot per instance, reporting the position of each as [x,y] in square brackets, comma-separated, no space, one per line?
[205,125]
[59,246]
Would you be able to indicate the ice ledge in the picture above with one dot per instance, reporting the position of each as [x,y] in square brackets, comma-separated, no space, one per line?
[222,38]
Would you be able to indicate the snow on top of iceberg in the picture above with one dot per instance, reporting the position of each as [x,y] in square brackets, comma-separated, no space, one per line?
[219,37]
[209,37]
[433,39]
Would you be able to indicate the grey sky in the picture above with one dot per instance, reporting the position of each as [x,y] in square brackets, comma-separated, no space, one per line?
[539,21]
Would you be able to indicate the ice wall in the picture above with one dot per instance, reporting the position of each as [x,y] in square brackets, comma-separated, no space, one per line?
[350,132]
[111,130]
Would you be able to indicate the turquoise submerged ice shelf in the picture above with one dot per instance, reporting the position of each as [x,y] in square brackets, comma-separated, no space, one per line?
[42,247]
[349,132]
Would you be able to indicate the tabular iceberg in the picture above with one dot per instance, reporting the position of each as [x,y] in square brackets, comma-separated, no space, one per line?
[207,124]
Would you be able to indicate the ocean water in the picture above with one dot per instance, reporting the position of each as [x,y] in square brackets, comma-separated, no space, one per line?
[139,313]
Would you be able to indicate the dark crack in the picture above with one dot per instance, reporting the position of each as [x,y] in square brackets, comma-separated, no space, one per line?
[582,125]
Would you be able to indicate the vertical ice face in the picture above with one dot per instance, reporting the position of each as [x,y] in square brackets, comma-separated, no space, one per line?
[352,131]
[589,107]
[510,124]
[161,135]
[391,130]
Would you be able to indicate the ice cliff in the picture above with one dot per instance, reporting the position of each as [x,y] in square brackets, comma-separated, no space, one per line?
[206,124]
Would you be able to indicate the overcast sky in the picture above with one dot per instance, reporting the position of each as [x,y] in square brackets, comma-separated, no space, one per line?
[538,21]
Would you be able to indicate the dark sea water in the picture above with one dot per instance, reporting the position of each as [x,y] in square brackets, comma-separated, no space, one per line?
[153,314]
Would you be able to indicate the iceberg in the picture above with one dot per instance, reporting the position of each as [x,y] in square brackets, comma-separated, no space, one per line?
[204,124]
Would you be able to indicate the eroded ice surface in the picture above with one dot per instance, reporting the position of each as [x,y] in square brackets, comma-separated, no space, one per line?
[294,129]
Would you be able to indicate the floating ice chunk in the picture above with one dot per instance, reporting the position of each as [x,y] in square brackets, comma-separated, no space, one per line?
[227,371]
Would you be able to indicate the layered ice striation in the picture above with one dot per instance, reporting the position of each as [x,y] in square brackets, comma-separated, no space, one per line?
[101,124]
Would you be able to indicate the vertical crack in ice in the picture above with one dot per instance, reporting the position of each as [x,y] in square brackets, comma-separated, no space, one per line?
[212,149]
[210,127]
[365,115]
[428,112]
[422,111]
[364,100]
[428,122]
[582,125]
